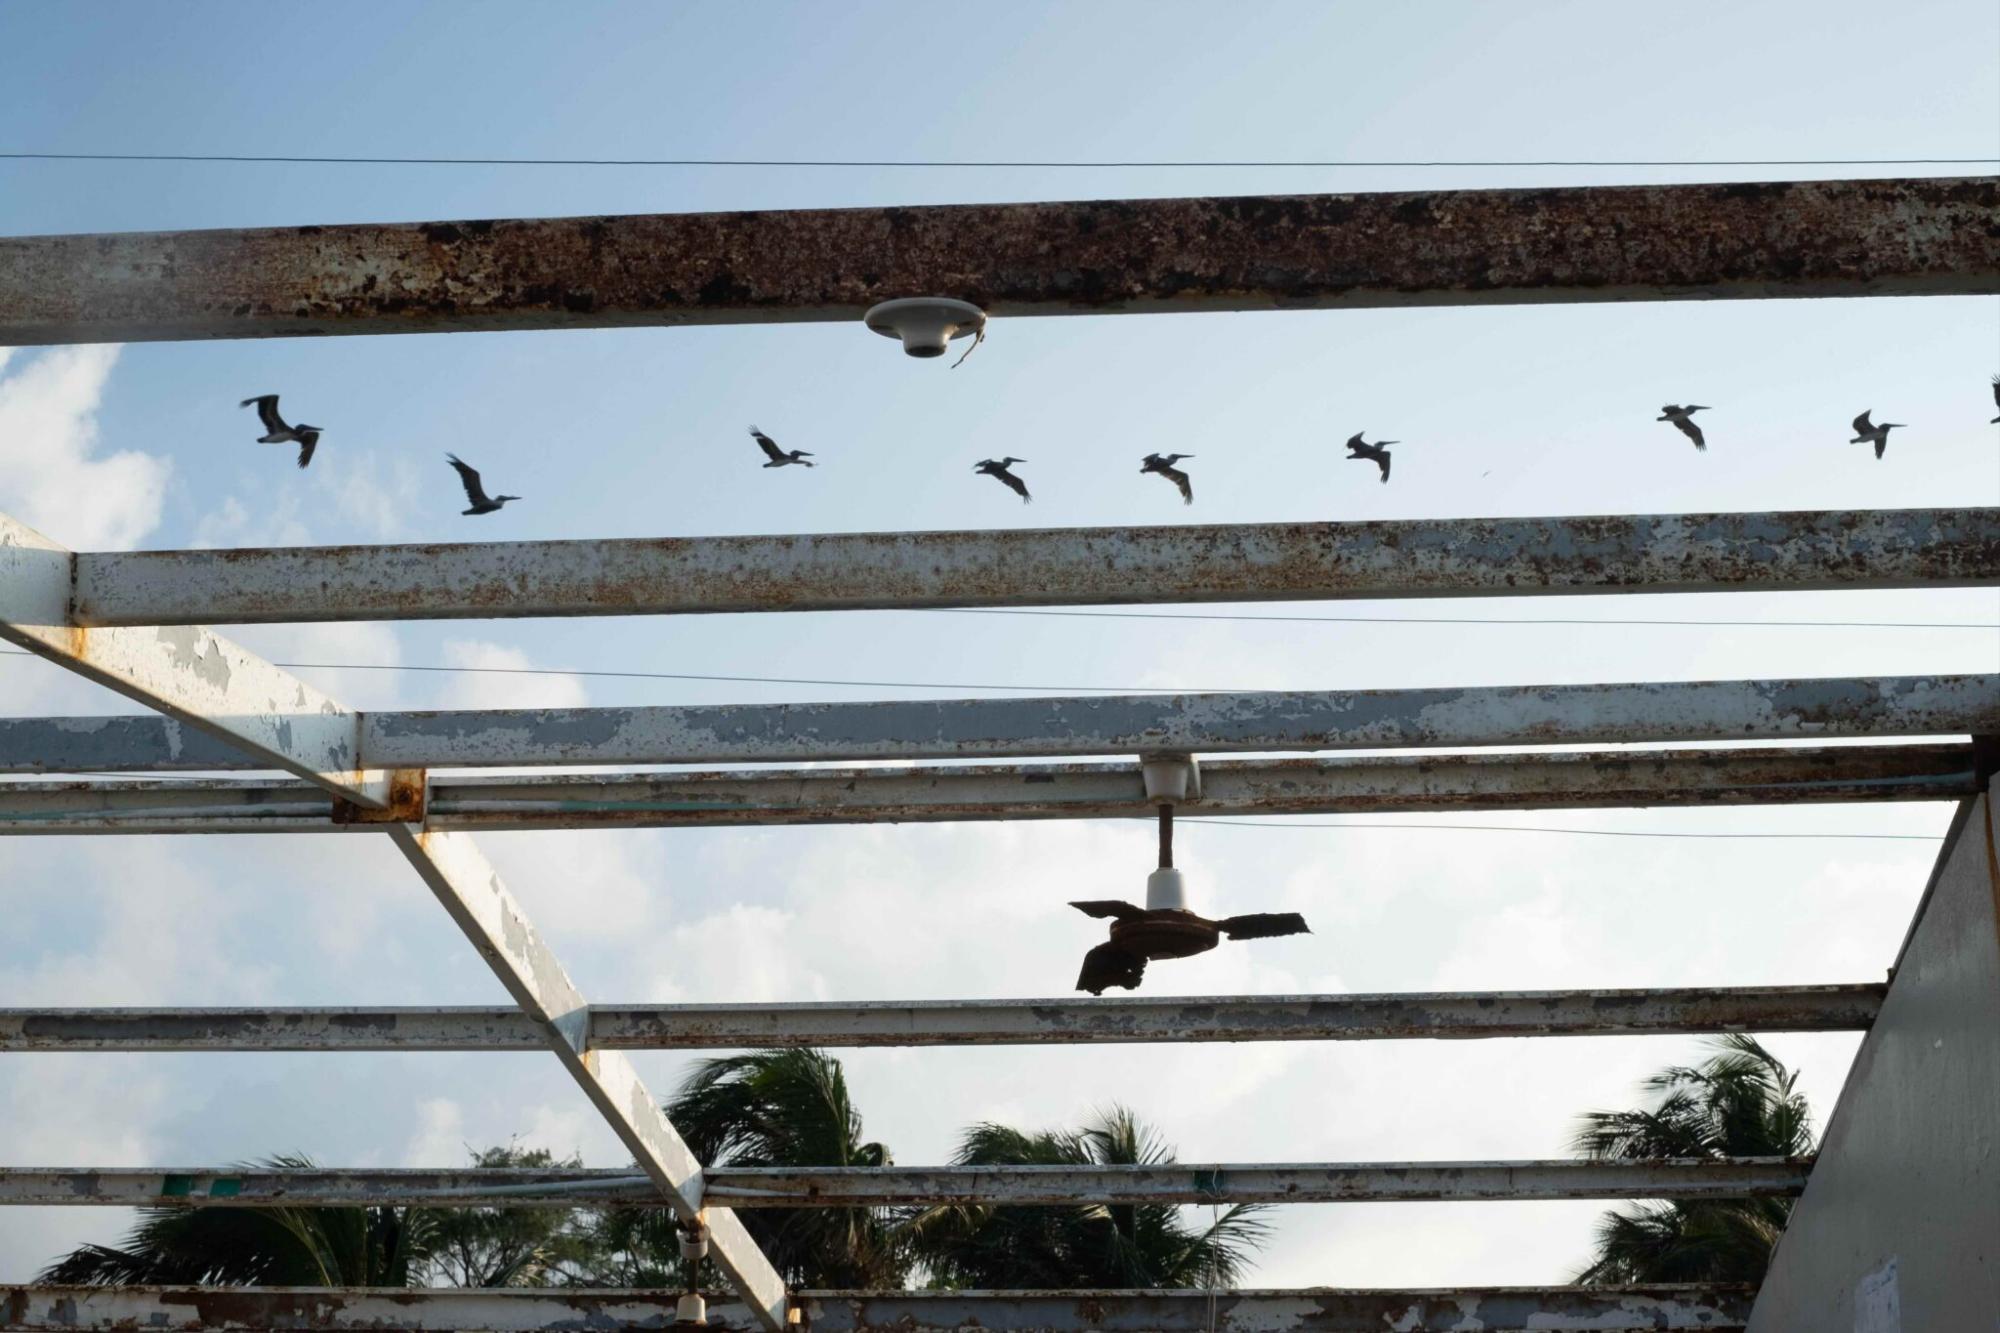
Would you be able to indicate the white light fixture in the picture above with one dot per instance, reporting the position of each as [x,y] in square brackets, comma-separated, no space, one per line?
[926,324]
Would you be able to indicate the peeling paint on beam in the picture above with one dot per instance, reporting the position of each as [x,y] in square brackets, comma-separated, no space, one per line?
[1640,714]
[1510,557]
[1389,1016]
[1635,714]
[899,1186]
[1657,1308]
[190,673]
[301,1029]
[1399,784]
[1909,237]
[1058,1021]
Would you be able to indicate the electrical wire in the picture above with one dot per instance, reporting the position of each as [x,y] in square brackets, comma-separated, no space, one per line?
[1582,832]
[1468,620]
[1342,164]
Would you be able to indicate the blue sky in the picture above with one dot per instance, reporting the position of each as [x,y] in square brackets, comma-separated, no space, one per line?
[642,432]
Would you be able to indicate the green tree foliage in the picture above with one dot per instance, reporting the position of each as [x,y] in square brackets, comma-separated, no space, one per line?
[1740,1102]
[786,1108]
[340,1247]
[258,1247]
[1149,1245]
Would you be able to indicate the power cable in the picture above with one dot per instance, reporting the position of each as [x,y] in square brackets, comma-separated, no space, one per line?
[1357,164]
[1581,832]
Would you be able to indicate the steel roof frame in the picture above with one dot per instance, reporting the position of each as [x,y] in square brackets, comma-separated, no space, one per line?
[137,623]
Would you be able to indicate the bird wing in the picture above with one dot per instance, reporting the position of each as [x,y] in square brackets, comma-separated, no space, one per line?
[267,412]
[1109,907]
[1180,479]
[1881,443]
[768,445]
[1862,426]
[1263,925]
[1383,459]
[1014,483]
[1996,391]
[307,443]
[1109,965]
[474,492]
[1692,431]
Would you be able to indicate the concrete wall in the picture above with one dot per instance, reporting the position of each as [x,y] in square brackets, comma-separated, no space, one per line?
[1899,1229]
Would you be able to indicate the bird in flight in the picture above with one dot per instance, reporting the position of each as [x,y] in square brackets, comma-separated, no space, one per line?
[1377,452]
[474,492]
[779,457]
[277,432]
[1996,400]
[1139,935]
[1165,467]
[1680,417]
[996,468]
[1865,432]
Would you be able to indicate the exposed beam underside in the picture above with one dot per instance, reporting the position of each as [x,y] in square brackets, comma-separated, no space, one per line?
[238,702]
[1056,727]
[1494,557]
[472,894]
[1673,1307]
[1399,784]
[898,1186]
[1056,1021]
[1442,247]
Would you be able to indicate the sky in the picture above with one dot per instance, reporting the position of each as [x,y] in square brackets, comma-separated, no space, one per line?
[1530,410]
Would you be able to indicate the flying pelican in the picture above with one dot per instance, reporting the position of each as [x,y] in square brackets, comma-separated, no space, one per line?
[1165,467]
[997,469]
[1864,432]
[481,502]
[1679,416]
[779,457]
[1378,452]
[1996,400]
[277,432]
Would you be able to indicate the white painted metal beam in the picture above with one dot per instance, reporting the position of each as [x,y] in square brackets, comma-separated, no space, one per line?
[191,674]
[472,893]
[1675,712]
[1345,785]
[1660,1308]
[1171,1183]
[1496,557]
[1054,1021]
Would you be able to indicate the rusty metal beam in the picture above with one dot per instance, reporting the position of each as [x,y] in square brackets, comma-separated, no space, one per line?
[1916,237]
[1658,1308]
[1034,1022]
[1672,712]
[928,1186]
[729,798]
[472,893]
[1503,557]
[191,674]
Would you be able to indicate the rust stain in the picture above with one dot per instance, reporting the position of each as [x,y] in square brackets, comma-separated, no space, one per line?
[1439,247]
[408,789]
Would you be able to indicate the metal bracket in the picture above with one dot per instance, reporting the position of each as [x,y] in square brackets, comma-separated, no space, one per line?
[409,797]
[1171,778]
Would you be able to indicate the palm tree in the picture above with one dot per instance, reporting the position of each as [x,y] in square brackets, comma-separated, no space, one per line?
[258,1247]
[339,1246]
[1146,1245]
[1740,1102]
[785,1108]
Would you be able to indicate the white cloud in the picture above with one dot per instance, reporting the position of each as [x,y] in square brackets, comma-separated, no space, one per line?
[51,475]
[470,690]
